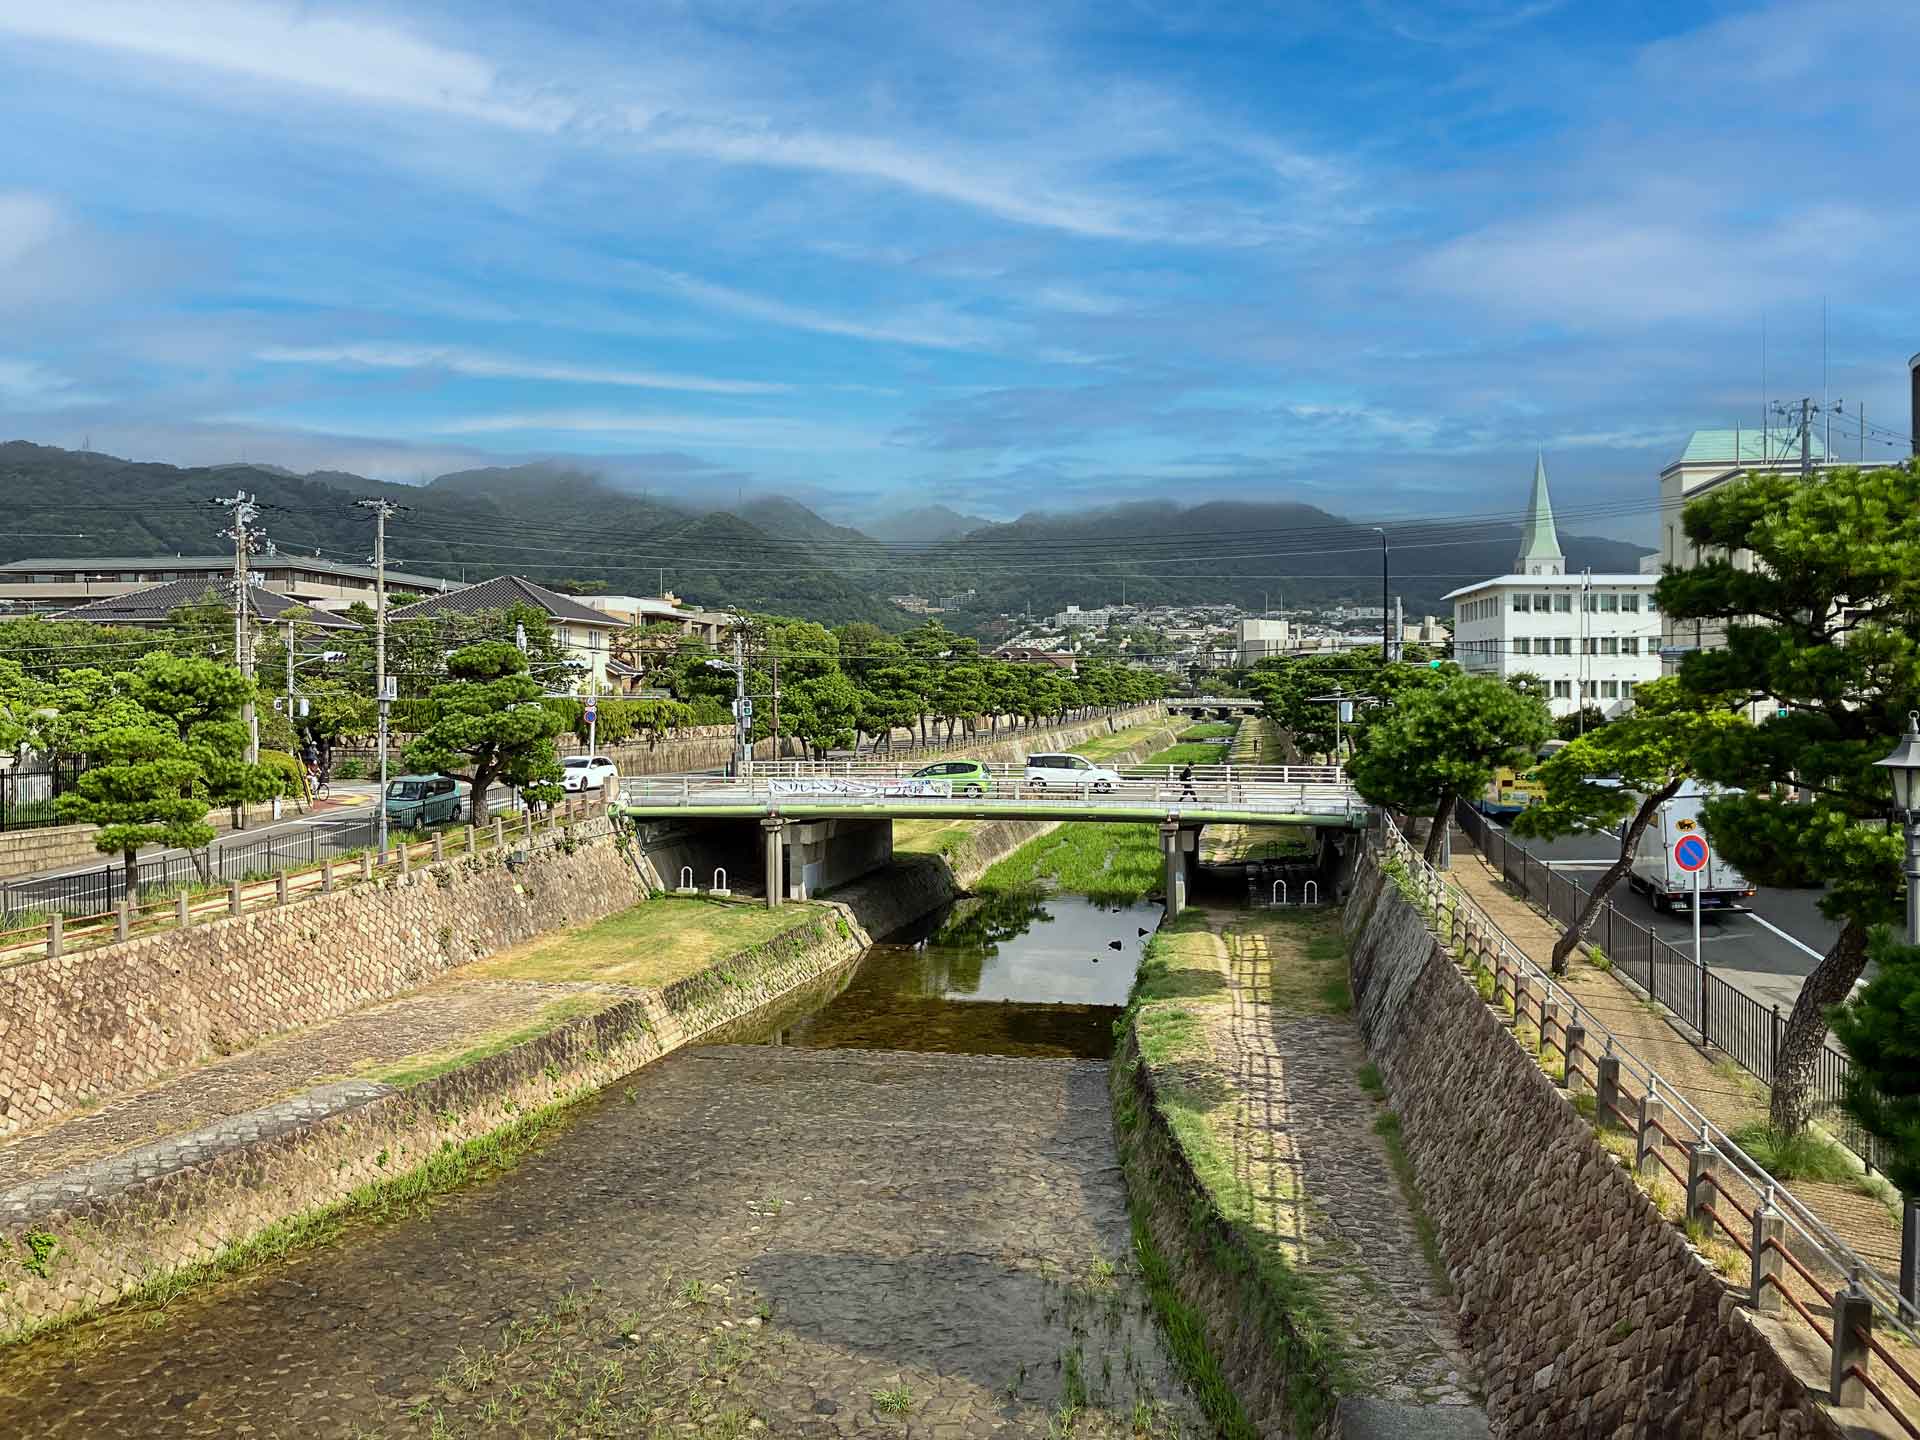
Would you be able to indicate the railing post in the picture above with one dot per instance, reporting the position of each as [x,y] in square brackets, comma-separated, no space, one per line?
[473,840]
[1521,991]
[1852,1332]
[1769,1258]
[439,845]
[326,876]
[181,913]
[280,886]
[499,831]
[366,864]
[1699,1181]
[233,897]
[406,858]
[122,917]
[56,934]
[1550,1017]
[1773,1062]
[1606,1100]
[1648,1140]
[1573,1046]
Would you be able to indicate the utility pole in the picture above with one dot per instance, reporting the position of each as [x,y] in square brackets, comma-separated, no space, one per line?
[742,731]
[242,508]
[1386,647]
[774,647]
[382,688]
[1806,438]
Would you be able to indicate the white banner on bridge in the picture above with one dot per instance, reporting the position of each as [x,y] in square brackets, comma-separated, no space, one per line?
[863,789]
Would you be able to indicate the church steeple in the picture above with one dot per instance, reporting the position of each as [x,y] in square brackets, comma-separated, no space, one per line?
[1539,543]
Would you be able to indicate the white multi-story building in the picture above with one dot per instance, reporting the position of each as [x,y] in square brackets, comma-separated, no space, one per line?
[1589,638]
[1259,639]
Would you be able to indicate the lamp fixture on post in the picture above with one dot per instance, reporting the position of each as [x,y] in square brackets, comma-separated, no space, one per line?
[1903,769]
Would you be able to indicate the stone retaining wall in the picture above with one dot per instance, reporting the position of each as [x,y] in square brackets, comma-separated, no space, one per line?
[111,1243]
[1591,1315]
[1247,1326]
[93,1023]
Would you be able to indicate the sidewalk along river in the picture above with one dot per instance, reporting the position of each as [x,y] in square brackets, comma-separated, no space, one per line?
[893,1207]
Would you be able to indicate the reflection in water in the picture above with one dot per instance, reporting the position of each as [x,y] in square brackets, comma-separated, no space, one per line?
[999,975]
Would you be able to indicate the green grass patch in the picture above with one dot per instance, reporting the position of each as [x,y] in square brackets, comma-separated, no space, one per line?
[654,943]
[1112,864]
[947,838]
[417,1069]
[1108,747]
[1211,730]
[1806,1156]
[1186,1331]
[1187,754]
[1371,1081]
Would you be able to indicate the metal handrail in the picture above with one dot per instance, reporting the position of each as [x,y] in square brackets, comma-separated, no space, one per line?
[1448,903]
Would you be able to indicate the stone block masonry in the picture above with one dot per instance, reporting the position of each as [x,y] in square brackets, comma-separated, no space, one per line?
[97,1022]
[99,1235]
[1589,1314]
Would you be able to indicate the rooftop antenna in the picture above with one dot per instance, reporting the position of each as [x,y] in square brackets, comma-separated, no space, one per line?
[1826,420]
[1765,421]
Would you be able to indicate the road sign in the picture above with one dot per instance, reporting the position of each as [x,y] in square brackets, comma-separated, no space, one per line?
[1690,853]
[590,712]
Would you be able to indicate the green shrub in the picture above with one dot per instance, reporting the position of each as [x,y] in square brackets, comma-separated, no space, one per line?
[288,772]
[350,769]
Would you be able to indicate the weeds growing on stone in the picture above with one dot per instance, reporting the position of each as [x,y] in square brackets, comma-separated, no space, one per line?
[896,1399]
[1371,1082]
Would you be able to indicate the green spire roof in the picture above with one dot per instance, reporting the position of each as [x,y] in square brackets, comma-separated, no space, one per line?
[1539,544]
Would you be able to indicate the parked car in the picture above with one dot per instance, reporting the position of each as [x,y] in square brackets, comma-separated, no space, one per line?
[968,777]
[419,800]
[1070,772]
[587,772]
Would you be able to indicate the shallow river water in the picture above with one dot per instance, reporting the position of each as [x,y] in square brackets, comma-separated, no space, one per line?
[893,1210]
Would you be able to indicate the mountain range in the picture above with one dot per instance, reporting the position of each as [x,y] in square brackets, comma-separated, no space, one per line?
[566,528]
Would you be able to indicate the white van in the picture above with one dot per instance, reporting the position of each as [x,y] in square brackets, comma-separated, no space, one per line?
[1664,883]
[1070,772]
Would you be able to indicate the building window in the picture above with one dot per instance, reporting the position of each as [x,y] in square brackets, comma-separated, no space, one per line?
[1590,602]
[1630,645]
[1563,689]
[1563,603]
[1609,603]
[1609,689]
[1626,689]
[1521,646]
[1609,645]
[1652,607]
[1586,646]
[1630,604]
[1542,603]
[1519,602]
[1563,645]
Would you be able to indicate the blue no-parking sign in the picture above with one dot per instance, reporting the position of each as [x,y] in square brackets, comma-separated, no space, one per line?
[1690,853]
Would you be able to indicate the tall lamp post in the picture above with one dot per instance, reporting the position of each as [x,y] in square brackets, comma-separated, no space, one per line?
[1903,769]
[1386,610]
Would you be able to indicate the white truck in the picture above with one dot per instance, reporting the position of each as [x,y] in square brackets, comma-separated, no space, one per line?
[1664,883]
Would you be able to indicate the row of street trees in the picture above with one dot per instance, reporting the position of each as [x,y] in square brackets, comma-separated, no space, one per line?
[1807,599]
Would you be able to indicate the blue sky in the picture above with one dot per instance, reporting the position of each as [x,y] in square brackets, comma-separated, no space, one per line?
[1003,257]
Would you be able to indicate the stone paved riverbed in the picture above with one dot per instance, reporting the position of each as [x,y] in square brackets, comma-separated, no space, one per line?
[747,1240]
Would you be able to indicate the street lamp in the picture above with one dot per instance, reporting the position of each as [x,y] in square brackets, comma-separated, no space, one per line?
[1903,769]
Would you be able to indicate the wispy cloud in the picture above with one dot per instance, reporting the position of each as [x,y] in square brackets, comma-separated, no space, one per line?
[933,326]
[745,433]
[374,355]
[25,384]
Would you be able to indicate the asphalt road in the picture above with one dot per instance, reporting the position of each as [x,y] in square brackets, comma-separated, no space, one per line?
[1767,951]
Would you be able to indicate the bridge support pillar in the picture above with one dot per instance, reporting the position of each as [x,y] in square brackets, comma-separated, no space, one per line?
[1177,843]
[775,832]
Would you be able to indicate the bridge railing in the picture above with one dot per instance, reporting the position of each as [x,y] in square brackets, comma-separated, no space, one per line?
[769,792]
[1015,771]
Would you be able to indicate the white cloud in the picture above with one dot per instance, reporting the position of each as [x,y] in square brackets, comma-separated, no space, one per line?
[27,221]
[765,433]
[936,327]
[374,355]
[24,384]
[354,58]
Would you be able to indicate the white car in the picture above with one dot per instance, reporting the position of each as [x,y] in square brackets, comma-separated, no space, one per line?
[1070,772]
[588,772]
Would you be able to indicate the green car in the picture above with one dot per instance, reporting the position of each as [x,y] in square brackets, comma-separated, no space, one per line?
[968,777]
[416,801]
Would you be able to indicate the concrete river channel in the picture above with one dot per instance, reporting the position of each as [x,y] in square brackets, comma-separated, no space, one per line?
[893,1208]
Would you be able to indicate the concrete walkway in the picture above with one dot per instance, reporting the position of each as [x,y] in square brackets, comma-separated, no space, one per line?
[1721,1091]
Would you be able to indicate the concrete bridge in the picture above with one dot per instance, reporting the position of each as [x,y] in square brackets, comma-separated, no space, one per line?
[1219,706]
[824,823]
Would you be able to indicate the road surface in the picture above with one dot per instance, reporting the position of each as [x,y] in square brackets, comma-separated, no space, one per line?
[1767,952]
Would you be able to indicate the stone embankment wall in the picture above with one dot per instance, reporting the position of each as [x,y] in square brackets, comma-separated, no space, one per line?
[1248,1329]
[112,1240]
[93,1023]
[1590,1314]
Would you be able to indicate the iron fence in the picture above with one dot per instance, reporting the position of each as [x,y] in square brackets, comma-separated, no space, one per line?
[27,796]
[97,889]
[1746,1030]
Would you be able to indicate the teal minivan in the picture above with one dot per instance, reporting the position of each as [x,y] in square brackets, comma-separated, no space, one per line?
[416,801]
